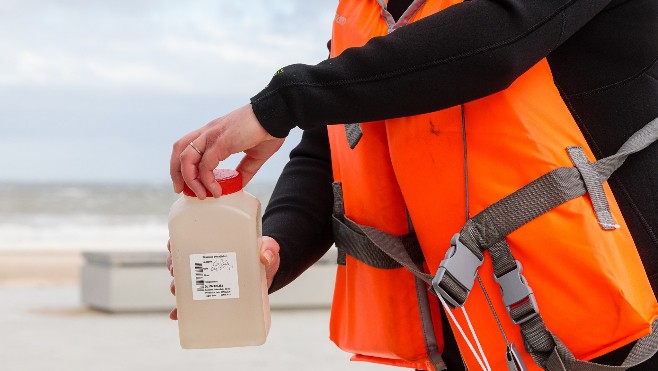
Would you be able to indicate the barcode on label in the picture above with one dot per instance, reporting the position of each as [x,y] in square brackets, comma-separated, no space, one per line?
[198,268]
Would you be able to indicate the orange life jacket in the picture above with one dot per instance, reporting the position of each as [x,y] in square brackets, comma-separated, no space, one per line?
[589,283]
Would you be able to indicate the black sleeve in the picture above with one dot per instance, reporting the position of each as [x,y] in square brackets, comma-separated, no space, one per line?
[465,52]
[298,215]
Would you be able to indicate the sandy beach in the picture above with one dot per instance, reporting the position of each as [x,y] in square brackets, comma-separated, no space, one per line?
[39,269]
[45,327]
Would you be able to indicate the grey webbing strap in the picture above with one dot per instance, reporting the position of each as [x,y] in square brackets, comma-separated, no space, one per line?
[543,194]
[388,18]
[548,351]
[456,291]
[537,340]
[431,345]
[354,132]
[489,228]
[398,250]
[405,18]
[502,259]
[561,359]
[351,240]
[498,220]
[339,202]
[338,212]
[637,142]
[594,186]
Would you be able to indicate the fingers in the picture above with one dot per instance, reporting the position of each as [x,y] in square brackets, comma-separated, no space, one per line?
[269,256]
[255,158]
[208,163]
[172,286]
[170,260]
[237,131]
[189,159]
[174,167]
[174,163]
[174,314]
[248,167]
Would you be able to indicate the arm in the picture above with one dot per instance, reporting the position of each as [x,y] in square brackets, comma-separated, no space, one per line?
[463,53]
[298,215]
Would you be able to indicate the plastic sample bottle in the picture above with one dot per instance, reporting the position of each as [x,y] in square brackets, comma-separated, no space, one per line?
[221,290]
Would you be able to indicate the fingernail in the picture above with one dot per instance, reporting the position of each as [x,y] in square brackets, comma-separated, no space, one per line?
[268,256]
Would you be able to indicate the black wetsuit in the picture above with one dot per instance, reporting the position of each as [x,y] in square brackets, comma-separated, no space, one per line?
[603,56]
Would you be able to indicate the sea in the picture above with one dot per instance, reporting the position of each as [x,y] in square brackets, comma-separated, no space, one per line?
[90,217]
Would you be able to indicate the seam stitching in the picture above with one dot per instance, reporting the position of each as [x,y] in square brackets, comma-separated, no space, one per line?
[564,25]
[614,84]
[651,75]
[426,65]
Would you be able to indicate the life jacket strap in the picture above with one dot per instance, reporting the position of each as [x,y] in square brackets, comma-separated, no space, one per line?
[594,187]
[487,230]
[354,132]
[561,359]
[351,239]
[563,184]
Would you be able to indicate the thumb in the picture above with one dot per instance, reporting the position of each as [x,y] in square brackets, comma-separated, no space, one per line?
[255,158]
[269,257]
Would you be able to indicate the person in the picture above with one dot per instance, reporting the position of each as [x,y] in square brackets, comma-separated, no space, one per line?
[603,58]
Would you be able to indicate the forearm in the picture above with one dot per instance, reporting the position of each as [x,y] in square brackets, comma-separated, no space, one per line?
[463,53]
[298,215]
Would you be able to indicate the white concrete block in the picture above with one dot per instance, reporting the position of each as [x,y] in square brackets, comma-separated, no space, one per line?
[139,282]
[126,281]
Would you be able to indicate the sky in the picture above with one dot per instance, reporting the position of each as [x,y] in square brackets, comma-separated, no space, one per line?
[99,90]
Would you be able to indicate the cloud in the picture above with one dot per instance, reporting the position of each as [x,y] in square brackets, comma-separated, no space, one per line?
[176,47]
[48,68]
[99,90]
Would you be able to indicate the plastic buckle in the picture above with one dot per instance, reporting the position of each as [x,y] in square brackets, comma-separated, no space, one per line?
[461,265]
[515,292]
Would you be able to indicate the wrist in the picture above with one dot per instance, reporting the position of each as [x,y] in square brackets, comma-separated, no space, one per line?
[272,113]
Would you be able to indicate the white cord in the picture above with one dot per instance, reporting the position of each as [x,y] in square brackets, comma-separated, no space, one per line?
[477,341]
[461,331]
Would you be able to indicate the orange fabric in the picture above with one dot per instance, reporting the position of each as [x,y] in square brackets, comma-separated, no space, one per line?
[583,277]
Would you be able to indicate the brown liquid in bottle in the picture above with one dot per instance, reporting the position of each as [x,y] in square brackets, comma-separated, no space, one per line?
[221,292]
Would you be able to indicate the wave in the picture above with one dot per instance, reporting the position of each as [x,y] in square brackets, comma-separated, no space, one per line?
[89,217]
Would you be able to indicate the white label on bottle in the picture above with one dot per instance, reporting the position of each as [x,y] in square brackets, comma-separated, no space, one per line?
[214,276]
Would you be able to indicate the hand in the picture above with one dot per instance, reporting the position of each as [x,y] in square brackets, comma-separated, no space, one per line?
[238,131]
[269,257]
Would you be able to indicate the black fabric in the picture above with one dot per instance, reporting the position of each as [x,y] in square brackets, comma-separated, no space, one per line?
[295,215]
[603,57]
[465,52]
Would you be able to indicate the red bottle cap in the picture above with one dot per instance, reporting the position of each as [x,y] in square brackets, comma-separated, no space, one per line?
[229,180]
